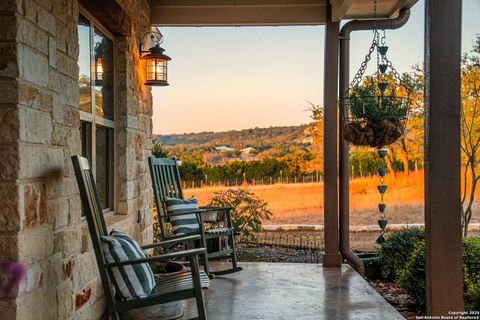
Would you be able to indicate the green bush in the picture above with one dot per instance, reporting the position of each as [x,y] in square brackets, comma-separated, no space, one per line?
[471,273]
[412,277]
[248,211]
[396,250]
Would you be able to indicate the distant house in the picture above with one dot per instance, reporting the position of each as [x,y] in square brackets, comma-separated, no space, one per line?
[224,149]
[307,140]
[247,150]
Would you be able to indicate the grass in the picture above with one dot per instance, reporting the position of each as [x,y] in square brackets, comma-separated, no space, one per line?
[303,203]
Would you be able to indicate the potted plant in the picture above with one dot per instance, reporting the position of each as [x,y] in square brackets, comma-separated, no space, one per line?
[376,117]
[371,263]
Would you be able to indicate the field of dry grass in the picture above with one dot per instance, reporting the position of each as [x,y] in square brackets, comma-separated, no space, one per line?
[303,203]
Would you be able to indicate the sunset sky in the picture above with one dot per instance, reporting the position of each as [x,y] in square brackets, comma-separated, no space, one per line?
[228,78]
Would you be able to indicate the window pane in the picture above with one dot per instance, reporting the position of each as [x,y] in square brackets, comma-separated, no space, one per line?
[104,165]
[103,70]
[84,64]
[86,136]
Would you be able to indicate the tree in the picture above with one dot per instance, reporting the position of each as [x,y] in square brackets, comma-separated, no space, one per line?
[470,130]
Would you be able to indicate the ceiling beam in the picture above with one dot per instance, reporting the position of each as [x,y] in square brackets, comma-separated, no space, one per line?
[237,12]
[340,9]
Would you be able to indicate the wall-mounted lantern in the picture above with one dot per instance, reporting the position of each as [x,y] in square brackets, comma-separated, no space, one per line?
[156,61]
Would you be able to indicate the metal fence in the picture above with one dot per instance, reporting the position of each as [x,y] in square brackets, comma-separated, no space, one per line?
[189,184]
[285,246]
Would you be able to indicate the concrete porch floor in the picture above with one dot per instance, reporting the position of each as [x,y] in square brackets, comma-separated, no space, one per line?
[292,291]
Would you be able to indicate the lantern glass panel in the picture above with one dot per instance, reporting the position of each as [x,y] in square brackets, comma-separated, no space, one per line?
[151,69]
[104,97]
[161,69]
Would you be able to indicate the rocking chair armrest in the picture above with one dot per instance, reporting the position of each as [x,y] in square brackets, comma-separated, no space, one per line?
[172,241]
[162,257]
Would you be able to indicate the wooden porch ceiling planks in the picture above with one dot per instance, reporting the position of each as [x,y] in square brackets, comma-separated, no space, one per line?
[266,12]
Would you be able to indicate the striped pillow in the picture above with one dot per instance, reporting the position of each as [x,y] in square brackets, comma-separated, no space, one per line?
[132,281]
[186,223]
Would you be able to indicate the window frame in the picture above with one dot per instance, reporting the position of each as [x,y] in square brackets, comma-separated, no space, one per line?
[92,117]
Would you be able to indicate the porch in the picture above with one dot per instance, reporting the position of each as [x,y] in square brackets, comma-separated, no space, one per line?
[292,291]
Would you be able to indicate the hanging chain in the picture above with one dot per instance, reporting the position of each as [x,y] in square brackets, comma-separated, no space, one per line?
[363,67]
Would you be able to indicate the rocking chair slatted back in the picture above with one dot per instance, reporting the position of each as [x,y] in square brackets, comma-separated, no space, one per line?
[166,175]
[94,215]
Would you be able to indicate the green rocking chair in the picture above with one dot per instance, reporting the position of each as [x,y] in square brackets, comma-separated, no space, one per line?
[167,185]
[180,286]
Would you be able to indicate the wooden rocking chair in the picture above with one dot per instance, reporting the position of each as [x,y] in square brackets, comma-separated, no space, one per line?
[167,183]
[177,287]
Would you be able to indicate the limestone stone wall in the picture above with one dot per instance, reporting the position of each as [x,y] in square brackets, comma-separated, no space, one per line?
[40,220]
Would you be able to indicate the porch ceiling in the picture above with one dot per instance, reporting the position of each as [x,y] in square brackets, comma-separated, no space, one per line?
[266,12]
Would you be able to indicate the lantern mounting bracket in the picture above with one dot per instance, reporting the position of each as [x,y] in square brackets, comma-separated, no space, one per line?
[156,38]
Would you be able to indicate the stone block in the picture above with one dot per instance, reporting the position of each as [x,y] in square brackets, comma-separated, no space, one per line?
[35,244]
[60,9]
[66,137]
[54,80]
[8,60]
[72,38]
[8,308]
[32,35]
[8,25]
[9,164]
[68,241]
[68,66]
[61,32]
[9,128]
[34,278]
[35,204]
[85,269]
[64,300]
[41,131]
[33,65]
[46,20]
[75,210]
[70,85]
[59,211]
[8,88]
[9,246]
[52,52]
[46,4]
[31,96]
[40,162]
[29,9]
[37,305]
[71,117]
[12,203]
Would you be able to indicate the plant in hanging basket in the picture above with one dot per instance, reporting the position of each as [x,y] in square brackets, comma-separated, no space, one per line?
[375,116]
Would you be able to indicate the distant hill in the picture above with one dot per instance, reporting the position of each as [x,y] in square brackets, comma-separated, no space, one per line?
[234,145]
[238,139]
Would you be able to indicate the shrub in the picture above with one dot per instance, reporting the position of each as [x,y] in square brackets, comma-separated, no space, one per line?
[248,211]
[396,250]
[471,273]
[412,277]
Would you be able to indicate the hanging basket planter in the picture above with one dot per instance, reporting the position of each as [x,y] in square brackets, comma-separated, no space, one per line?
[372,119]
[373,113]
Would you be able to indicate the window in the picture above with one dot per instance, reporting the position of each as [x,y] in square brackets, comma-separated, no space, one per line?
[97,107]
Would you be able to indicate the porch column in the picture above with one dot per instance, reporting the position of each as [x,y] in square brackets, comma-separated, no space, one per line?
[444,276]
[332,256]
